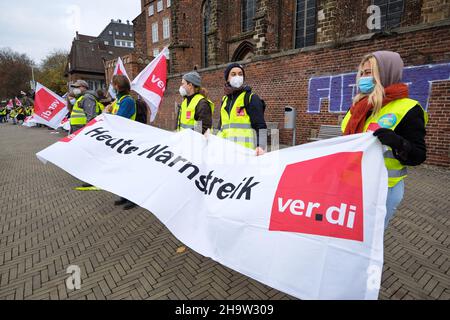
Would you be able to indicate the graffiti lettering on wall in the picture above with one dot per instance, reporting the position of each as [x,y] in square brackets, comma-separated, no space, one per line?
[340,89]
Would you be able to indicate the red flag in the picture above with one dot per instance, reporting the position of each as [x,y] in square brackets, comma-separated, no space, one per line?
[17,101]
[150,84]
[118,70]
[49,108]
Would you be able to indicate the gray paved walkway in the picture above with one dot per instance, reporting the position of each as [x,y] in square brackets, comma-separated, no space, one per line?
[45,226]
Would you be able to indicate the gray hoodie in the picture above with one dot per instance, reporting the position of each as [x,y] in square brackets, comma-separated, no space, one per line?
[88,104]
[391,67]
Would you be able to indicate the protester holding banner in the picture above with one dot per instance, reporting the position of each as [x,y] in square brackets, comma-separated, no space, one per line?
[196,109]
[242,111]
[86,106]
[383,106]
[124,106]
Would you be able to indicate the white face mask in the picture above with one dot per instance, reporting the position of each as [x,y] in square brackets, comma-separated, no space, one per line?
[237,81]
[77,92]
[183,91]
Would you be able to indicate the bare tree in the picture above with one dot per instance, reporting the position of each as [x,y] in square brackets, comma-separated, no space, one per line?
[15,73]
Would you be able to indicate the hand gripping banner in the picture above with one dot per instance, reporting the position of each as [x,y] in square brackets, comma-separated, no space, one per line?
[307,220]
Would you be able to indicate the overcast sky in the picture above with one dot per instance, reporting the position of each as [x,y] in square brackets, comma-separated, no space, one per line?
[38,27]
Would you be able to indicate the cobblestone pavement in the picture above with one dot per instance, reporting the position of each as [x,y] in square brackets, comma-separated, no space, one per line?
[45,226]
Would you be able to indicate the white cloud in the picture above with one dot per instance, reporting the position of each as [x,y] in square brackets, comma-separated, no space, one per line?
[40,27]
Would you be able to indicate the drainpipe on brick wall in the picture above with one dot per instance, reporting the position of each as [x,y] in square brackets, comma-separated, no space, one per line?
[280,3]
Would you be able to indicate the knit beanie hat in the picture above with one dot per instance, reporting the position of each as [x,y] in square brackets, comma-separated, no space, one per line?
[230,67]
[194,78]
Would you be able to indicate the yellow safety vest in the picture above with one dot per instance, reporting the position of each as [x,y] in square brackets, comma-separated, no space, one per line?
[236,126]
[116,107]
[389,117]
[187,112]
[3,112]
[78,116]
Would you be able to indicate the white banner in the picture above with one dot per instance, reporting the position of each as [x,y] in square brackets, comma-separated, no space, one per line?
[29,122]
[307,220]
[65,124]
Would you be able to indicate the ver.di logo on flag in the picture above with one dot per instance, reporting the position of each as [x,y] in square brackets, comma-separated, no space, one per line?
[321,196]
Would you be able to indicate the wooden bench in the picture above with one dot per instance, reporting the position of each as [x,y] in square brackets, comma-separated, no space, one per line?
[327,132]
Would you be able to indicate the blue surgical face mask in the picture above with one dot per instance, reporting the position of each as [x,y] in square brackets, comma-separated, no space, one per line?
[366,84]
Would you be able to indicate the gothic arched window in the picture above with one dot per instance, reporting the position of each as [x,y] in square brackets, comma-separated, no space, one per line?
[206,14]
[248,13]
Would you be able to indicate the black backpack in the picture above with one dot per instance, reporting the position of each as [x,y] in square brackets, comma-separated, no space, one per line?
[141,111]
[247,101]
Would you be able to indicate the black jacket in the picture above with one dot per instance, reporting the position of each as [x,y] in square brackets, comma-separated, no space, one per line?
[202,113]
[255,111]
[412,128]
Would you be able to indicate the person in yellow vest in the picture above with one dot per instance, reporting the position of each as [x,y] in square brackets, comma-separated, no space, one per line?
[21,114]
[13,115]
[124,106]
[383,107]
[86,106]
[2,114]
[196,110]
[242,112]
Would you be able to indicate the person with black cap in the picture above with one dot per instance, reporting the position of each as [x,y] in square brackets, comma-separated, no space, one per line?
[383,107]
[196,110]
[242,112]
[86,107]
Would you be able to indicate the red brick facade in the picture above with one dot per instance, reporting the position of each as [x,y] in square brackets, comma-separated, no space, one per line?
[156,18]
[283,81]
[281,74]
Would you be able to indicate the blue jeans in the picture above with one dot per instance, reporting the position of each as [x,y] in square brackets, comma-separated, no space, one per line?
[394,197]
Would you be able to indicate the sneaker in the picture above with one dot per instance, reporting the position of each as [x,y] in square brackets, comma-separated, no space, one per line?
[120,202]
